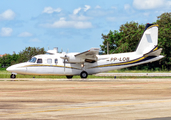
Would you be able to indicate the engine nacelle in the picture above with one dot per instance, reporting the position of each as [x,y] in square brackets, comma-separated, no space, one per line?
[70,58]
[73,59]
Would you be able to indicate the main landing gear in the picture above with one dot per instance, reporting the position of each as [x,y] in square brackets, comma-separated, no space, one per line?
[13,76]
[69,77]
[83,74]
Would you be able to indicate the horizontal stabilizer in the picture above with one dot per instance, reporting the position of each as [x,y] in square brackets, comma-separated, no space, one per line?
[154,53]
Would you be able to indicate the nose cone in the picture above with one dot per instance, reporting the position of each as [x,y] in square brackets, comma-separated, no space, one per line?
[9,69]
[18,68]
[12,68]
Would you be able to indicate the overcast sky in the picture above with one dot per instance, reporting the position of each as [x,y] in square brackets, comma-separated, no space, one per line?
[74,25]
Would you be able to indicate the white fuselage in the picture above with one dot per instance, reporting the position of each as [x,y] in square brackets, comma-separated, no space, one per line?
[55,65]
[89,62]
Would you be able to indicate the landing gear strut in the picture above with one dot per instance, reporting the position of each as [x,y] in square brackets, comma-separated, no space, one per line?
[83,74]
[13,76]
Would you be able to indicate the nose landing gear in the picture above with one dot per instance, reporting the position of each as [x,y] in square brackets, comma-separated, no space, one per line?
[13,76]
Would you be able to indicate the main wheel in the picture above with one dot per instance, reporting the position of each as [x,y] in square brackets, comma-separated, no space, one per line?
[69,77]
[83,74]
[13,76]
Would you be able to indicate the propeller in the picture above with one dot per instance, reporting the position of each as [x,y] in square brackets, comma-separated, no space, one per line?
[65,58]
[64,64]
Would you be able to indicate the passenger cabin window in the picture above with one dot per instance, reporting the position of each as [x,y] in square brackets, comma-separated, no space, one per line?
[49,61]
[39,60]
[56,61]
[33,60]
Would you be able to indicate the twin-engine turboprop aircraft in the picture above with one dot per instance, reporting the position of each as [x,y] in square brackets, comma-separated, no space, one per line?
[89,62]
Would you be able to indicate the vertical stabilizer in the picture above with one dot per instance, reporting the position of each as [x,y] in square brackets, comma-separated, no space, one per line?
[149,39]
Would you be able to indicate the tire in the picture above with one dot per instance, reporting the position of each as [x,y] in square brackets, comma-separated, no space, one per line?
[69,77]
[83,74]
[13,76]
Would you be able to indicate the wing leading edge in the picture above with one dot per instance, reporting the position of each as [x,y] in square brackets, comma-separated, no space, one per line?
[89,56]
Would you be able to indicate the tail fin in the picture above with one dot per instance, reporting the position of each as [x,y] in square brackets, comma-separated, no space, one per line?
[149,39]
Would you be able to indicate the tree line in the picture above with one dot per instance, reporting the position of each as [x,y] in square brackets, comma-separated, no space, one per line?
[22,56]
[129,35]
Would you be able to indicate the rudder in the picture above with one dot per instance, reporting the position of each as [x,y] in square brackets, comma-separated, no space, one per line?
[149,39]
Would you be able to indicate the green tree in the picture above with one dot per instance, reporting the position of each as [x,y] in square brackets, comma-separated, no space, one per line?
[124,40]
[112,38]
[164,40]
[23,56]
[8,60]
[29,52]
[130,36]
[14,59]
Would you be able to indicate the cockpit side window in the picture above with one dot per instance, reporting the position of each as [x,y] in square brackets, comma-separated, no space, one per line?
[33,60]
[39,60]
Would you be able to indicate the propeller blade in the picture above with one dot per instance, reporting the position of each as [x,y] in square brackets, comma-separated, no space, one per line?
[64,65]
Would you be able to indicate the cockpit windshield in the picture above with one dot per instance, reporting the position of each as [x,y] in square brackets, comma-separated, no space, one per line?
[33,59]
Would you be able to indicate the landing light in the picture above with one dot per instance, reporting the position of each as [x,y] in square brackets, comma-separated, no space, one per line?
[82,65]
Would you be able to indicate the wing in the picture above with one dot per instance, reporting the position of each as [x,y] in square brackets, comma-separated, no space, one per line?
[89,56]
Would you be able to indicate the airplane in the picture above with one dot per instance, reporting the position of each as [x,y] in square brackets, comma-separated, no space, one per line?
[90,62]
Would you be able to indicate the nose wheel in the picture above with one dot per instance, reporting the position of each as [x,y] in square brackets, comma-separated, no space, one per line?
[83,74]
[13,76]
